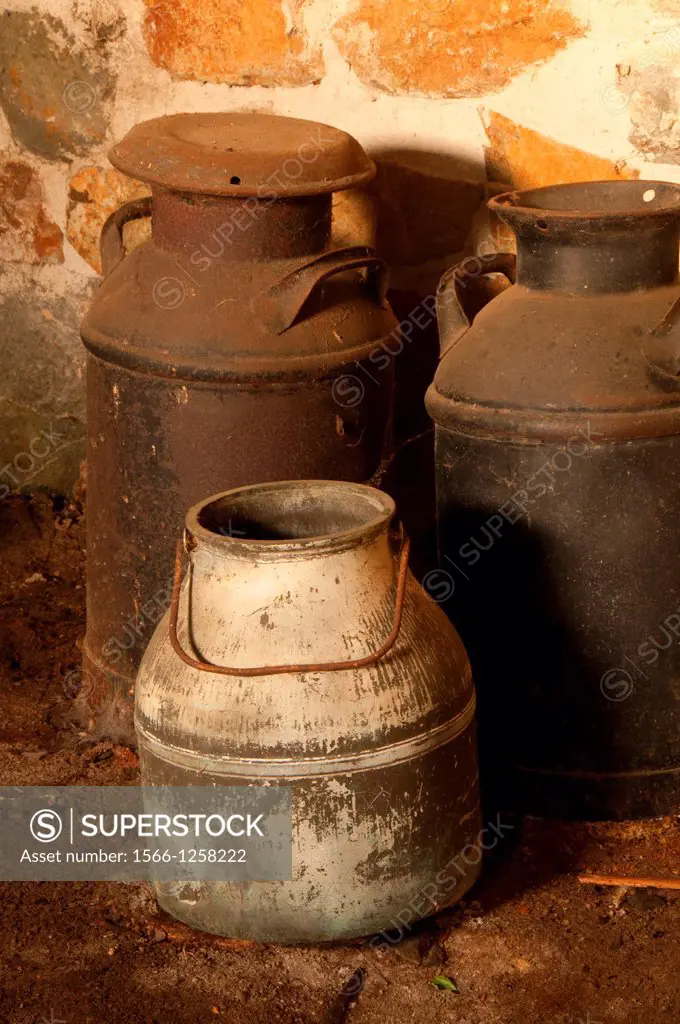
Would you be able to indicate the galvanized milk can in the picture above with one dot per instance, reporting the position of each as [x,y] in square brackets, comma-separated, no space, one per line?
[558,477]
[219,351]
[316,661]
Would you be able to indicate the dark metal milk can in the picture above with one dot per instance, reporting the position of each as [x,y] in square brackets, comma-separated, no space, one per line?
[558,476]
[222,352]
[301,652]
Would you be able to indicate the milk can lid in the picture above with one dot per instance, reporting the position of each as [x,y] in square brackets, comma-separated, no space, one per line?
[236,154]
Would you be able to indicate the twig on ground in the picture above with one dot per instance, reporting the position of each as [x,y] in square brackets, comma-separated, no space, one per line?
[639,883]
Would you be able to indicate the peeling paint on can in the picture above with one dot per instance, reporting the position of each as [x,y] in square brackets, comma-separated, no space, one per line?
[381,759]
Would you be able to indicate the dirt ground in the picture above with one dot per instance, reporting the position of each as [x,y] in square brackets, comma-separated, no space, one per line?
[529,946]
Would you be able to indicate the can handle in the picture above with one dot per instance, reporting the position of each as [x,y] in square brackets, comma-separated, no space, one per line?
[111,247]
[285,300]
[661,349]
[271,670]
[452,317]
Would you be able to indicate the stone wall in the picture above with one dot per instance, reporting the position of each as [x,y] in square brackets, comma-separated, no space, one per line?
[450,96]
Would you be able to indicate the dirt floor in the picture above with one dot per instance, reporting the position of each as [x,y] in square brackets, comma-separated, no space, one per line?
[530,946]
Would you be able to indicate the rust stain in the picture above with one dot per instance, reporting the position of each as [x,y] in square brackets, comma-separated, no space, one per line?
[47,238]
[26,232]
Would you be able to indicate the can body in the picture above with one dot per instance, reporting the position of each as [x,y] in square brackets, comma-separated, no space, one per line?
[216,360]
[568,602]
[156,445]
[381,759]
[557,434]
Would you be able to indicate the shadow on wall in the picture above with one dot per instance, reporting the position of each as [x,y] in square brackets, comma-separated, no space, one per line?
[431,212]
[426,205]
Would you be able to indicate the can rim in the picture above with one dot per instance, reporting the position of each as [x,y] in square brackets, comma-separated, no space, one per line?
[288,497]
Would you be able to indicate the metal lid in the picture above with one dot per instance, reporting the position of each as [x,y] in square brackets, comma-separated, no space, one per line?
[242,155]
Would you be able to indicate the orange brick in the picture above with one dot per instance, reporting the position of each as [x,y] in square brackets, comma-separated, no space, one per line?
[238,42]
[95,192]
[523,158]
[451,47]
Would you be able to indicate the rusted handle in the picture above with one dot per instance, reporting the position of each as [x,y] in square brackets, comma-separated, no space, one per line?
[273,670]
[111,247]
[662,346]
[452,316]
[286,299]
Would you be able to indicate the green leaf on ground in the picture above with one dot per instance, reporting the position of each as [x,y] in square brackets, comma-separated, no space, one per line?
[441,981]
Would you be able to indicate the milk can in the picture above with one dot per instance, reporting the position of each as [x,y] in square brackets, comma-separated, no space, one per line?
[558,487]
[231,348]
[316,661]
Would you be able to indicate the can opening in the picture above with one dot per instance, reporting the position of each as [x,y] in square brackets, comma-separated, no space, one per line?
[595,198]
[293,511]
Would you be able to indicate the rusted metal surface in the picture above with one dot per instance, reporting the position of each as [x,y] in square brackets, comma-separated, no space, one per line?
[216,352]
[381,758]
[210,228]
[557,444]
[244,155]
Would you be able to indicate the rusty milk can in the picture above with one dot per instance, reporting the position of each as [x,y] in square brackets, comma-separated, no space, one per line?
[558,477]
[217,351]
[345,682]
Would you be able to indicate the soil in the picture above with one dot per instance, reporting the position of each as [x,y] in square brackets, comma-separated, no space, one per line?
[530,944]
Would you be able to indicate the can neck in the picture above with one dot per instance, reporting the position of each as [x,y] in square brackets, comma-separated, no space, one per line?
[599,257]
[326,606]
[306,564]
[226,229]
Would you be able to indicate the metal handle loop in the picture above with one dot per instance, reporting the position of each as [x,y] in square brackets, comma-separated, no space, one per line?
[111,247]
[661,348]
[453,317]
[271,670]
[284,302]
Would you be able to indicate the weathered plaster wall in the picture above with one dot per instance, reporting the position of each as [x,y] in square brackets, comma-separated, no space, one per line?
[446,94]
